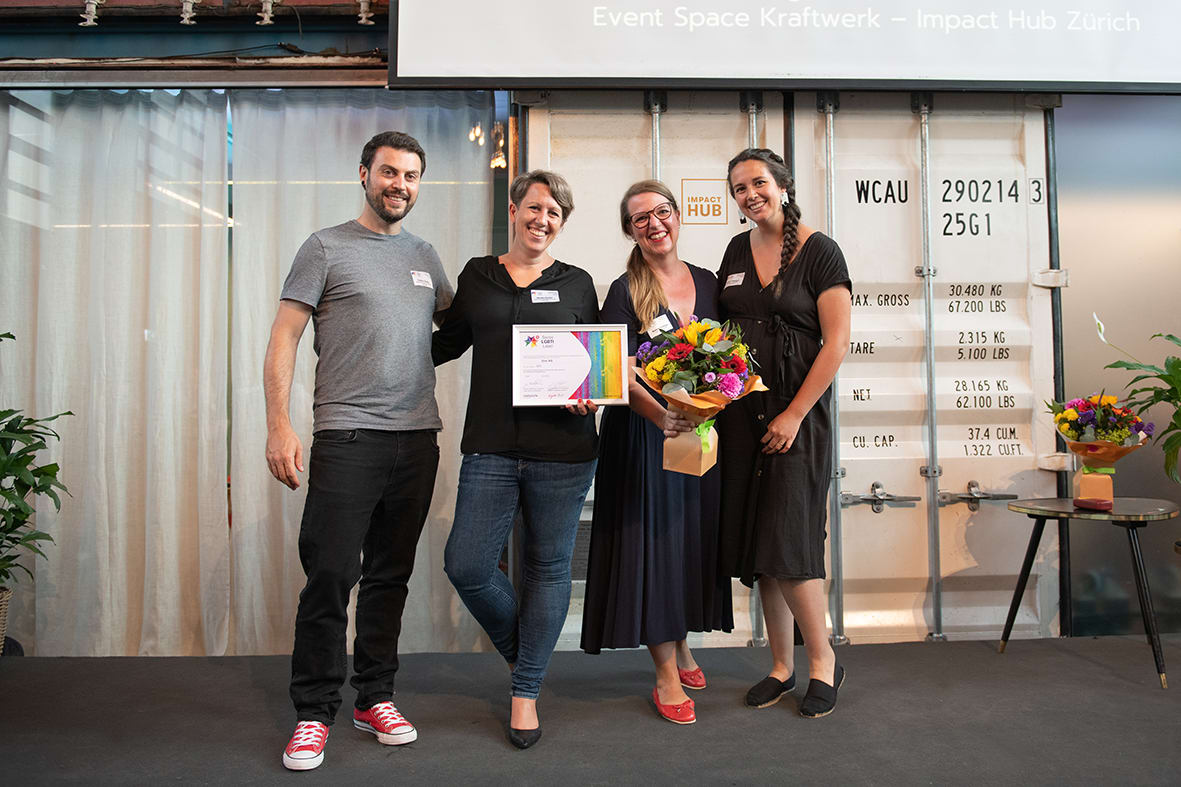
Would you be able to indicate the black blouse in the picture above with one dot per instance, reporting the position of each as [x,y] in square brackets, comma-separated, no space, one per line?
[487,304]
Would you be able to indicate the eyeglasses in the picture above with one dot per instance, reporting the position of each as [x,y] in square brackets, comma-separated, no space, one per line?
[661,211]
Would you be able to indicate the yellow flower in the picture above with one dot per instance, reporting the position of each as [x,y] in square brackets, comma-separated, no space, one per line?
[740,351]
[691,331]
[668,375]
[1063,428]
[652,370]
[1096,399]
[1070,414]
[714,336]
[1059,417]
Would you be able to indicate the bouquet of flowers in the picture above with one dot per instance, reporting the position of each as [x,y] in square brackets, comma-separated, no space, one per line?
[1100,432]
[1099,419]
[698,369]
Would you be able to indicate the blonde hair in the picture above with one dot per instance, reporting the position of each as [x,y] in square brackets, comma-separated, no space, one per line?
[647,295]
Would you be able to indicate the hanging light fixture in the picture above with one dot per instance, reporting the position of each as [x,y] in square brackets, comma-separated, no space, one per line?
[267,14]
[90,13]
[498,160]
[187,13]
[364,16]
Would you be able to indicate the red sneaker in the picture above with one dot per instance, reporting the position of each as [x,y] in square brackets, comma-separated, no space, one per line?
[384,721]
[677,714]
[306,748]
[692,678]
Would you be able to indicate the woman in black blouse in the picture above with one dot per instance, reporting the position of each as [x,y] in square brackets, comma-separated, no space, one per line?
[787,286]
[541,459]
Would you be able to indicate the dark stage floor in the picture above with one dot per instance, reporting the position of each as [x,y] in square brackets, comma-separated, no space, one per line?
[1047,711]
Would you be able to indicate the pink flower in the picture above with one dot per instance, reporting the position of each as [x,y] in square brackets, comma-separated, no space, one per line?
[730,386]
[709,377]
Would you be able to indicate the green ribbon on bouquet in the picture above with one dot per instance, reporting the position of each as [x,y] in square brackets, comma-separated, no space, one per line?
[1087,470]
[702,431]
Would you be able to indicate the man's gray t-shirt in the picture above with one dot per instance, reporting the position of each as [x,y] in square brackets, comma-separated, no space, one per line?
[373,298]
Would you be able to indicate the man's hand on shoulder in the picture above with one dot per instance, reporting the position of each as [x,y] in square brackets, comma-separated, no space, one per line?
[285,455]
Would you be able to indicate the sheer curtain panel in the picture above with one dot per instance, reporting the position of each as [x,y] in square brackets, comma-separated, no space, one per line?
[113,258]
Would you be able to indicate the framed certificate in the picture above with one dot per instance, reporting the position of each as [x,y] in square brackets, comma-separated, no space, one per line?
[560,364]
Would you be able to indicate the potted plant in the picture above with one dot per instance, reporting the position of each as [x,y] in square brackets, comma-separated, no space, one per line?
[22,479]
[1166,389]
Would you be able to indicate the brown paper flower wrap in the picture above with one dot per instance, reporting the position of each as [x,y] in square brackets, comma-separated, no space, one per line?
[695,452]
[1094,486]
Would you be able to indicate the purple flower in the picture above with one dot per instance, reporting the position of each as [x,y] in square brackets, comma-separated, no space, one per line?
[1086,417]
[643,350]
[1149,428]
[730,386]
[709,377]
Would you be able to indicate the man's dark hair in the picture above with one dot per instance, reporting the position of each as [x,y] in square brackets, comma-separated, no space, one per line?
[392,139]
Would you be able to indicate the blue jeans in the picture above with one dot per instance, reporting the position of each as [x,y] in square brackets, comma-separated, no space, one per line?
[524,629]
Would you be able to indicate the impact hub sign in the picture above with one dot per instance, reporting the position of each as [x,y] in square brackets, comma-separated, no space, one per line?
[704,201]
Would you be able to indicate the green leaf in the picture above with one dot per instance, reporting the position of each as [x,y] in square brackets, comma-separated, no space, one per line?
[1135,367]
[1168,337]
[686,380]
[671,387]
[4,336]
[1171,447]
[724,346]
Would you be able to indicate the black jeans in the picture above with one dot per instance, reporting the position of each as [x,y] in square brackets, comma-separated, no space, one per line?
[368,496]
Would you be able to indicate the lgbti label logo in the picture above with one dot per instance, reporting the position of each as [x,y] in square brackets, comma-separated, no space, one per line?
[704,201]
[530,341]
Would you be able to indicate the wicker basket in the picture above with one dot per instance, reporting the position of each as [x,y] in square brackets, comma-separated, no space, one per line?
[5,595]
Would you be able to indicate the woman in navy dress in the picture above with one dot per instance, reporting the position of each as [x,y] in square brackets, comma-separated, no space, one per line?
[788,287]
[653,573]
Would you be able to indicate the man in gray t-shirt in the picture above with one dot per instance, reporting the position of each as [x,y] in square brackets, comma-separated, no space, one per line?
[372,290]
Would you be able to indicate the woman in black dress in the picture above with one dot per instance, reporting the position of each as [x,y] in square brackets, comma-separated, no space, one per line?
[787,286]
[653,573]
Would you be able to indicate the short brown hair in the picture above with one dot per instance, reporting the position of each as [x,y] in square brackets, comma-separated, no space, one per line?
[392,139]
[559,189]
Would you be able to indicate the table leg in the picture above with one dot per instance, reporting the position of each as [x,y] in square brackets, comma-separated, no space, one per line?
[1146,610]
[1035,538]
[1065,602]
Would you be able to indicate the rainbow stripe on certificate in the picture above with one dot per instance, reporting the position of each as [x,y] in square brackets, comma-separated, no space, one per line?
[603,381]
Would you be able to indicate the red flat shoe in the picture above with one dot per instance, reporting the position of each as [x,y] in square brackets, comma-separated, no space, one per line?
[677,714]
[692,678]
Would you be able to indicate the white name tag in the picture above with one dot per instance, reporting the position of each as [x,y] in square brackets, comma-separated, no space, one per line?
[421,279]
[734,279]
[544,296]
[661,323]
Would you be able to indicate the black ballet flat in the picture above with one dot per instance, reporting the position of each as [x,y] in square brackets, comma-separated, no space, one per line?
[523,739]
[821,698]
[768,691]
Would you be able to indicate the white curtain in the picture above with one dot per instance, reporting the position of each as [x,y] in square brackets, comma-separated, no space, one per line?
[113,264]
[295,159]
[117,277]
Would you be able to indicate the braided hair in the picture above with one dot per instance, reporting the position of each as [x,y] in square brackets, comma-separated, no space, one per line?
[791,210]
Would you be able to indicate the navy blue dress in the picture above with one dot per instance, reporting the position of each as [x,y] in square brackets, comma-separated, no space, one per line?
[653,572]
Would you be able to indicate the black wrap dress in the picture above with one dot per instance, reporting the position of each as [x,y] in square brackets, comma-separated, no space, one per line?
[774,506]
[653,571]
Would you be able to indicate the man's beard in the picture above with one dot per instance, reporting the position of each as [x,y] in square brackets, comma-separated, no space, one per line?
[376,200]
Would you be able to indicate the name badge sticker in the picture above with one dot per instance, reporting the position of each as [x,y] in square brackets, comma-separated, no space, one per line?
[734,279]
[544,296]
[421,279]
[661,323]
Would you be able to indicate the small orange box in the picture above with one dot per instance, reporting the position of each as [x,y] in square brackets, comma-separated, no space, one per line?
[1093,486]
